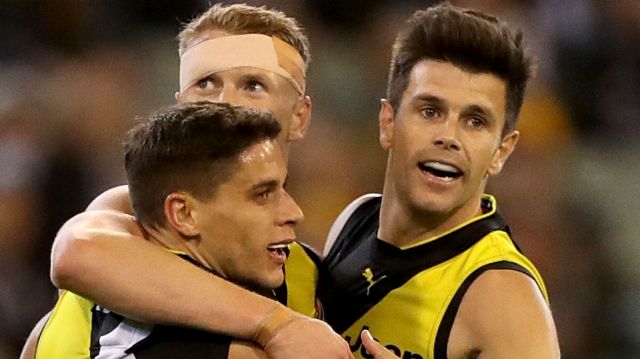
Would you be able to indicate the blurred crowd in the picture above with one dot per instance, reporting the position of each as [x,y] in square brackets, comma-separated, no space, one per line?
[74,74]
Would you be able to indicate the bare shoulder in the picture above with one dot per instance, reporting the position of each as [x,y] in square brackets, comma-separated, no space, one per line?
[504,315]
[116,198]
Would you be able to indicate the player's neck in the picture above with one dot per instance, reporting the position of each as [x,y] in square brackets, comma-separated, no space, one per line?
[402,226]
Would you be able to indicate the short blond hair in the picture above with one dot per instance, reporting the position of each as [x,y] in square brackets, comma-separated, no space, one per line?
[239,19]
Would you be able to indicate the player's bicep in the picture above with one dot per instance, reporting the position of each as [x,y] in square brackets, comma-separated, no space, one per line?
[91,240]
[503,314]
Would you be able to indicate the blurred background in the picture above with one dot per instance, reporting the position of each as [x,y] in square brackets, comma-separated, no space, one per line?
[74,74]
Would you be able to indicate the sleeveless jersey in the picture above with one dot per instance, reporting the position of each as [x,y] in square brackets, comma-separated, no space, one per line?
[78,328]
[408,297]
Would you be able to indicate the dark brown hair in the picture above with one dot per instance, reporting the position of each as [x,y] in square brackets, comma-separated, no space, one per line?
[190,147]
[471,40]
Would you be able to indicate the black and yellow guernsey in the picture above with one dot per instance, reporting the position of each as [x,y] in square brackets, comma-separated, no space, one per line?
[408,297]
[79,329]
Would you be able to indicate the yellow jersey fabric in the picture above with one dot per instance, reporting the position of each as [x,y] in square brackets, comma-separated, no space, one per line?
[71,314]
[80,329]
[408,297]
[301,280]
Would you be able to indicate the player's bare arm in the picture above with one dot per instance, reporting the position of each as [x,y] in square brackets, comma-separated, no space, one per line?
[503,315]
[102,246]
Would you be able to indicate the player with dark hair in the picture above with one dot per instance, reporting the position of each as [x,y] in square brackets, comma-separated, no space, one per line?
[207,183]
[244,55]
[429,267]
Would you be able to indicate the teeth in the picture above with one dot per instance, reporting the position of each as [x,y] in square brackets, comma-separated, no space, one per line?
[441,167]
[274,247]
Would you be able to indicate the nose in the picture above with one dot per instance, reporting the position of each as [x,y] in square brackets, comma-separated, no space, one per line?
[447,137]
[448,143]
[290,212]
[228,94]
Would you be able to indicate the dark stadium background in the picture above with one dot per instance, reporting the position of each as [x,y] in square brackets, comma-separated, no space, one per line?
[74,73]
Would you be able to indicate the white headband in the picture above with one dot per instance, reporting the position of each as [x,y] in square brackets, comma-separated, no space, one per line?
[252,50]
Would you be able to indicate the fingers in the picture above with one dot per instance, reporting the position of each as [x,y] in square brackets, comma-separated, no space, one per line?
[374,348]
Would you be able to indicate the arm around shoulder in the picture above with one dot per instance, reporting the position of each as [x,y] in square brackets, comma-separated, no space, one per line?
[102,255]
[74,252]
[87,242]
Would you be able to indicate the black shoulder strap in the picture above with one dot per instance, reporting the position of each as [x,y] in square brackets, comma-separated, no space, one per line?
[362,222]
[444,330]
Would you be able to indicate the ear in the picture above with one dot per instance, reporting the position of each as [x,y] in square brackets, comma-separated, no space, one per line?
[502,153]
[386,119]
[300,120]
[179,210]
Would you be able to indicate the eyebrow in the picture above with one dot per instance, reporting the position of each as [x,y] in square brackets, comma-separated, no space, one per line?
[264,184]
[431,99]
[481,110]
[474,108]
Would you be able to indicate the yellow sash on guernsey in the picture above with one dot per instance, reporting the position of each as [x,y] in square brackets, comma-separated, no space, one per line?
[72,314]
[302,279]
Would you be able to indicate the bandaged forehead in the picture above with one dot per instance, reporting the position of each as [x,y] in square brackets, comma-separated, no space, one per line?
[252,50]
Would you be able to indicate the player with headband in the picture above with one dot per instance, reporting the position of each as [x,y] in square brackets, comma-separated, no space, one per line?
[243,55]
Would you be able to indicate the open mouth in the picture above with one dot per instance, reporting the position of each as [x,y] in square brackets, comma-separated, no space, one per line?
[441,170]
[281,249]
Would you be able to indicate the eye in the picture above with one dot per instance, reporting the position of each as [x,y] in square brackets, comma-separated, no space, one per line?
[429,112]
[264,196]
[205,83]
[255,85]
[476,122]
